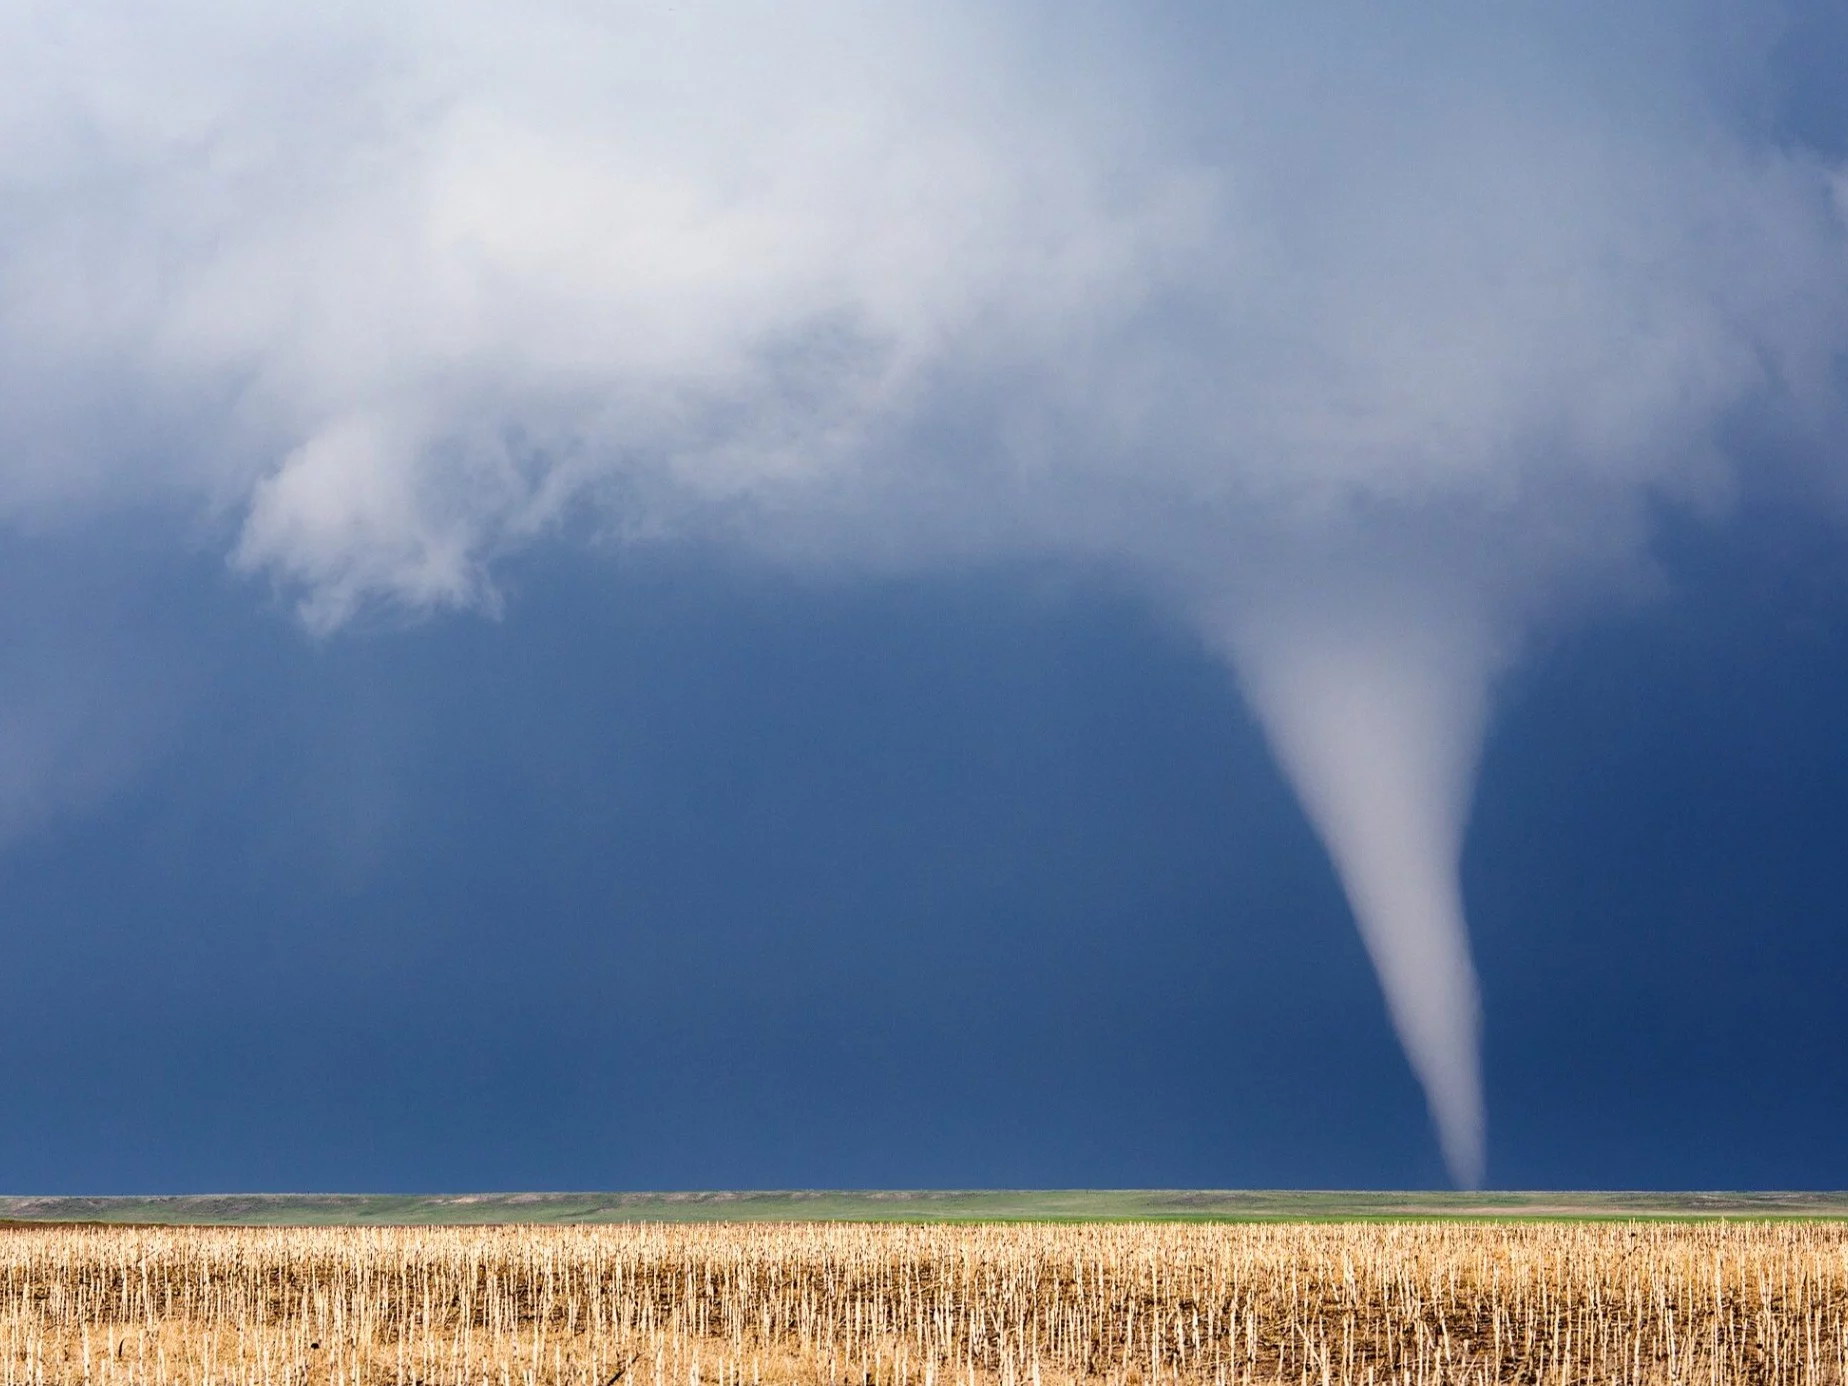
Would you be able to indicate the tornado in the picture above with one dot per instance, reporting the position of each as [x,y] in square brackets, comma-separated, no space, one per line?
[1377,719]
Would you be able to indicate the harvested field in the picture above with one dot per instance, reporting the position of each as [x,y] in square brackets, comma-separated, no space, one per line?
[725,1304]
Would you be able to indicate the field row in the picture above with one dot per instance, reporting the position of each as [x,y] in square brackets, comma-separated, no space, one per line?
[692,1305]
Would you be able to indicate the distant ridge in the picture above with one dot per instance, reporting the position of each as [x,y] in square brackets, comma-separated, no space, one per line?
[950,1205]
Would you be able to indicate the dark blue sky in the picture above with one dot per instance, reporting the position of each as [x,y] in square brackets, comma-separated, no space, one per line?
[686,875]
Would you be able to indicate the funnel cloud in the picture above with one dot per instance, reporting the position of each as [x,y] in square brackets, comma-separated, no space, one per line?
[1370,342]
[1378,718]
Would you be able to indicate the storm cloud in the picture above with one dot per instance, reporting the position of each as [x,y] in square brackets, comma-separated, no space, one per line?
[1367,341]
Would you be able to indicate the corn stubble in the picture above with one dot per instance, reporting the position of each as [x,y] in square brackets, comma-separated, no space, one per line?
[724,1305]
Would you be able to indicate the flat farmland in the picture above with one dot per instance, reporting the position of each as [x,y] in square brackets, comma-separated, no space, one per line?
[929,1304]
[914,1205]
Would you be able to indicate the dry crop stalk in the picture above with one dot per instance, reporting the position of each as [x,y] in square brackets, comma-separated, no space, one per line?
[662,1305]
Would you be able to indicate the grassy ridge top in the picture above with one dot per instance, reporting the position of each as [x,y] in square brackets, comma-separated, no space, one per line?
[1201,1205]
